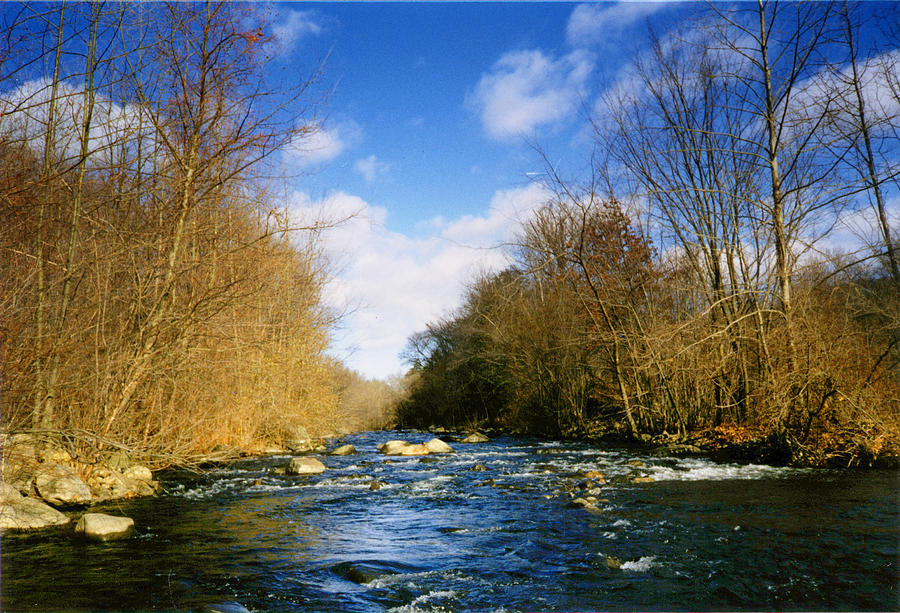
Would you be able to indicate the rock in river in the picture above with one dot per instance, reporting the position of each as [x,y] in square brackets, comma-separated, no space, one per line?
[392,447]
[226,607]
[305,466]
[475,437]
[403,448]
[414,450]
[344,450]
[103,527]
[436,445]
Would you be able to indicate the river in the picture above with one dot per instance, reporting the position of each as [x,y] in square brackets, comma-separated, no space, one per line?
[440,536]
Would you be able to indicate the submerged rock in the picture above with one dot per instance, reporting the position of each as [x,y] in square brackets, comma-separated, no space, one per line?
[475,437]
[344,450]
[61,485]
[478,468]
[436,445]
[305,466]
[103,527]
[676,449]
[589,504]
[226,607]
[20,513]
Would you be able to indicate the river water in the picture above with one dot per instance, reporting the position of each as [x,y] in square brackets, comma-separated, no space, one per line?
[440,536]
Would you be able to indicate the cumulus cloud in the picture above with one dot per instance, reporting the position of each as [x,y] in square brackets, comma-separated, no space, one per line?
[593,23]
[371,167]
[395,283]
[527,89]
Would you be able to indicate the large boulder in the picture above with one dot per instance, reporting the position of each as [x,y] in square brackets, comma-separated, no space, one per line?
[21,513]
[392,447]
[402,448]
[414,450]
[296,439]
[102,527]
[436,445]
[61,485]
[305,466]
[475,437]
[344,450]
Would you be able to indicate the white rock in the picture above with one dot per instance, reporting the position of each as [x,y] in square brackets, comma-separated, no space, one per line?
[392,447]
[403,448]
[102,527]
[436,445]
[29,514]
[414,450]
[9,494]
[344,450]
[305,466]
[58,484]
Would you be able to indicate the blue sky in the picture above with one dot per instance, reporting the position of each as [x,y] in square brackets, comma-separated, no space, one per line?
[428,138]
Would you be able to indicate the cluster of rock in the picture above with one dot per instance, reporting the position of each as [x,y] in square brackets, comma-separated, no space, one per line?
[435,445]
[404,448]
[39,479]
[304,465]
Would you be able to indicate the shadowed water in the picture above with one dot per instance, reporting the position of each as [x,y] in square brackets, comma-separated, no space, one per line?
[438,536]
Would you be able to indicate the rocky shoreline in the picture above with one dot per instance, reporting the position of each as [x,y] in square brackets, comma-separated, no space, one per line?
[43,485]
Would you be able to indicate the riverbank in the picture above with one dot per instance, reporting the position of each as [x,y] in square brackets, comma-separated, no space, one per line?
[741,444]
[48,479]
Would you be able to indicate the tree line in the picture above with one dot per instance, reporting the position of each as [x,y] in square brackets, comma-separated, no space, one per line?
[696,279]
[157,296]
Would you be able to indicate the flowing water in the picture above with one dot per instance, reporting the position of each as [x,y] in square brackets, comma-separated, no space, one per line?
[440,536]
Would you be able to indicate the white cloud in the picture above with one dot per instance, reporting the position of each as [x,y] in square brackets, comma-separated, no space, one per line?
[116,130]
[508,209]
[399,283]
[370,168]
[527,89]
[593,23]
[290,29]
[322,145]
